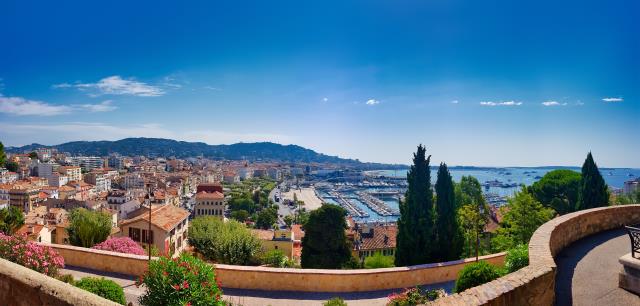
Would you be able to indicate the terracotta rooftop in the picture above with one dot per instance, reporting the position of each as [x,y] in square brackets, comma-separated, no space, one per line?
[210,195]
[263,234]
[165,217]
[378,240]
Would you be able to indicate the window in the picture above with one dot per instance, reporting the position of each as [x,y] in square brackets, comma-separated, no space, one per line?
[144,236]
[134,234]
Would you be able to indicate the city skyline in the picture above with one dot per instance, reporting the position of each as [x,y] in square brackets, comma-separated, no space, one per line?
[478,84]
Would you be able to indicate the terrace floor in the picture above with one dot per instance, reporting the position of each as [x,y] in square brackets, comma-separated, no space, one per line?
[588,271]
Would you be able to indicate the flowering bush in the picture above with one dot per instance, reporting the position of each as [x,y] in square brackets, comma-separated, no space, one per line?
[414,296]
[31,255]
[180,281]
[120,245]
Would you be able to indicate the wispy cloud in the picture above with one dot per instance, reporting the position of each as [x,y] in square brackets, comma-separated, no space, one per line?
[455,102]
[553,103]
[104,106]
[116,85]
[22,107]
[213,88]
[325,99]
[372,102]
[503,103]
[613,99]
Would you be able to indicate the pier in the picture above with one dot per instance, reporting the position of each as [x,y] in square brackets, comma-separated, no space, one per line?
[351,208]
[377,205]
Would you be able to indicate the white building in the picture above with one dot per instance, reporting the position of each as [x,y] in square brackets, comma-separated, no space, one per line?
[133,181]
[101,181]
[631,186]
[87,163]
[58,180]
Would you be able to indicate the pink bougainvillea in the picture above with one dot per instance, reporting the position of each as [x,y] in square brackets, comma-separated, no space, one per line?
[120,245]
[31,255]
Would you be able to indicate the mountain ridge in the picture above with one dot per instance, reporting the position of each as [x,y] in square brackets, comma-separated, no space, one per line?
[162,147]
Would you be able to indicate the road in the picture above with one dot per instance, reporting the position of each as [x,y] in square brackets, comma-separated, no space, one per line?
[283,210]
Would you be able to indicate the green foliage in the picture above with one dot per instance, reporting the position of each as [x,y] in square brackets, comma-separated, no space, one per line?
[336,301]
[242,203]
[472,214]
[415,236]
[240,215]
[325,242]
[449,240]
[378,261]
[594,192]
[154,250]
[352,264]
[476,274]
[288,220]
[33,155]
[88,228]
[11,166]
[11,219]
[522,216]
[105,288]
[3,156]
[266,218]
[624,199]
[67,278]
[517,258]
[276,258]
[558,189]
[226,242]
[180,281]
[302,217]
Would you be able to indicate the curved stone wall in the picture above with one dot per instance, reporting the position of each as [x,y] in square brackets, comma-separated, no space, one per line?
[535,284]
[20,286]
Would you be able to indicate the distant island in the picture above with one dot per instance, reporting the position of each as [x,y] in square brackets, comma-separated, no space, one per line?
[160,147]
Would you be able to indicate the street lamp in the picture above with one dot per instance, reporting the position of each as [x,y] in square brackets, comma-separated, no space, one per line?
[148,199]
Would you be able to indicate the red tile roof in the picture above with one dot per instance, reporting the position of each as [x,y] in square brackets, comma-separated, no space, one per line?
[209,195]
[165,217]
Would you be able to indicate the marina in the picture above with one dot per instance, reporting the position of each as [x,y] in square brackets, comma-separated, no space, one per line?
[377,205]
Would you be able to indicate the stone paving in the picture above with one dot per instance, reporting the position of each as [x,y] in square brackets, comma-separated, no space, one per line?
[257,297]
[588,271]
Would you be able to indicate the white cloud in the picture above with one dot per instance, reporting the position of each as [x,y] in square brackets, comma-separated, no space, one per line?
[115,85]
[579,103]
[325,99]
[105,106]
[213,88]
[503,103]
[612,99]
[372,102]
[553,103]
[22,107]
[455,102]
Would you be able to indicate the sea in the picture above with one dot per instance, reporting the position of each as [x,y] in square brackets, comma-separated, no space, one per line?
[614,177]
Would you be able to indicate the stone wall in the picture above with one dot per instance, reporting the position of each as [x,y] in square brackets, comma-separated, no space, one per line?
[535,284]
[20,286]
[264,278]
[321,280]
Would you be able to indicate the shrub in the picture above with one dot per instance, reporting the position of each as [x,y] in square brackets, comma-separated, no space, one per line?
[67,278]
[476,274]
[31,255]
[121,245]
[185,280]
[226,242]
[276,258]
[414,296]
[378,261]
[105,288]
[336,301]
[517,258]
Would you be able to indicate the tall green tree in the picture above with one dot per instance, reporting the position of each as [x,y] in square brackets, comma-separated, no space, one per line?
[33,155]
[473,213]
[11,219]
[522,216]
[594,192]
[325,243]
[87,228]
[449,241]
[414,241]
[558,189]
[3,156]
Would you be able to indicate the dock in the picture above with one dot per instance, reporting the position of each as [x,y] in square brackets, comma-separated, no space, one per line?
[377,205]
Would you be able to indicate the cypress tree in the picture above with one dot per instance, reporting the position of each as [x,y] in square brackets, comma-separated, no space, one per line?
[415,225]
[449,242]
[594,191]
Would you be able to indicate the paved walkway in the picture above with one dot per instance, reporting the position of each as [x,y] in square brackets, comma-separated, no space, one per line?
[588,271]
[256,297]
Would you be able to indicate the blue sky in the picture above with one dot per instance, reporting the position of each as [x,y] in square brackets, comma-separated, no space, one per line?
[478,82]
